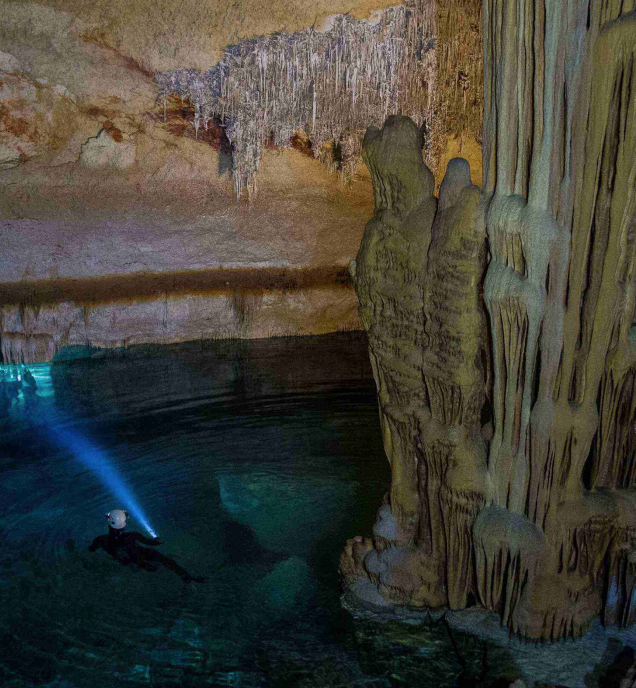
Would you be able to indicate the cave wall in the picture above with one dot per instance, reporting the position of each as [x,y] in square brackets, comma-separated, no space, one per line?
[104,202]
[502,338]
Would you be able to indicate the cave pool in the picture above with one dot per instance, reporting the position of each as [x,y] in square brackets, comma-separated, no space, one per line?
[253,461]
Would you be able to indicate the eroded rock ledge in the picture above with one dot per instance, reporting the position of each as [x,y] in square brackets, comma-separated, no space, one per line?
[506,385]
[98,180]
[40,317]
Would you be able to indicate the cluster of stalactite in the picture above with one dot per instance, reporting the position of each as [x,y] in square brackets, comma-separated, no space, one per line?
[329,84]
[506,384]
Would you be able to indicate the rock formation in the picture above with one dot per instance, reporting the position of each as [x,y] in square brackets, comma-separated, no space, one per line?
[337,77]
[109,195]
[501,336]
[330,83]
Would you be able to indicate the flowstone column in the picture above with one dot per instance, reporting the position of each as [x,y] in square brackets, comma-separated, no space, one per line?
[509,419]
[417,277]
[560,180]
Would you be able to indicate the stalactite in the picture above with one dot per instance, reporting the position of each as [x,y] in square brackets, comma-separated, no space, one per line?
[18,347]
[332,85]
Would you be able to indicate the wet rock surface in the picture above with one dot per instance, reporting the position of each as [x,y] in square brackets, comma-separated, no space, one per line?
[471,648]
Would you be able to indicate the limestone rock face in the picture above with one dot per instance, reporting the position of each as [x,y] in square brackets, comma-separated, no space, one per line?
[506,381]
[102,187]
[100,197]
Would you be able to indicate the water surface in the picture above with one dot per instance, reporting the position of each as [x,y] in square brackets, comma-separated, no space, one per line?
[253,460]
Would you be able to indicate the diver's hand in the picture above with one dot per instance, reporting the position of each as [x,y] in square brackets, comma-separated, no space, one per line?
[156,541]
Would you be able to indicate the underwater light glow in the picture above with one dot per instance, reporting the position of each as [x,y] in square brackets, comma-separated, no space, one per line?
[95,459]
[80,447]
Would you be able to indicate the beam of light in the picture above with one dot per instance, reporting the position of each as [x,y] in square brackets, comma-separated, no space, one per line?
[96,460]
[79,446]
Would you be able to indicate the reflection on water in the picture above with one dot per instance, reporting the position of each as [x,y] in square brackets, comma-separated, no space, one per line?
[254,461]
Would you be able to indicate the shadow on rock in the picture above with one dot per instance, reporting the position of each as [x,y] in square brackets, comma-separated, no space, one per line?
[241,547]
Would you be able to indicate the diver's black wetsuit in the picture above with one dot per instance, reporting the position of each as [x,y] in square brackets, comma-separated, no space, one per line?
[123,547]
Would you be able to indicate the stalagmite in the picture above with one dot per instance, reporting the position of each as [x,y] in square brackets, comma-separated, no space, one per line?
[502,339]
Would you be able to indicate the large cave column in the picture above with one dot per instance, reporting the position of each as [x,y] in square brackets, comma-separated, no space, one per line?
[560,180]
[600,368]
[539,521]
[418,276]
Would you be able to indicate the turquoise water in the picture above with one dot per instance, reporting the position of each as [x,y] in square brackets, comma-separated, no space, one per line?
[253,460]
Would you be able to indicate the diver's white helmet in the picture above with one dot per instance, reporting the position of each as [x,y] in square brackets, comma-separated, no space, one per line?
[117,519]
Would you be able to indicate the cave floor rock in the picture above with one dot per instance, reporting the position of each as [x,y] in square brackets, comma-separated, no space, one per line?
[419,645]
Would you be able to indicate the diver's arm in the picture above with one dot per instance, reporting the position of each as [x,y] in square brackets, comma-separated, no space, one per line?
[146,541]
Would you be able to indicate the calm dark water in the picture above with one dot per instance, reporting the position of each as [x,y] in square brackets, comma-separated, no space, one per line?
[253,460]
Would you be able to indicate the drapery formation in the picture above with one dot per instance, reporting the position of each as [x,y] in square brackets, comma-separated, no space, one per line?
[329,84]
[420,59]
[500,330]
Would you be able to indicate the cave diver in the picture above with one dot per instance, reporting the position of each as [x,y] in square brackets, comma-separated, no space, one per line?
[123,546]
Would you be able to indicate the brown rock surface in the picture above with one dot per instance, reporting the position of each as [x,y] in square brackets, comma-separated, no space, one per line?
[94,186]
[160,35]
[507,413]
[94,183]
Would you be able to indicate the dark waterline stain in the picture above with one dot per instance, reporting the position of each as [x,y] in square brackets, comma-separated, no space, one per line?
[150,286]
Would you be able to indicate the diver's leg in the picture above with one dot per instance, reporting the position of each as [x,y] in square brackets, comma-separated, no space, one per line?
[172,565]
[143,558]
